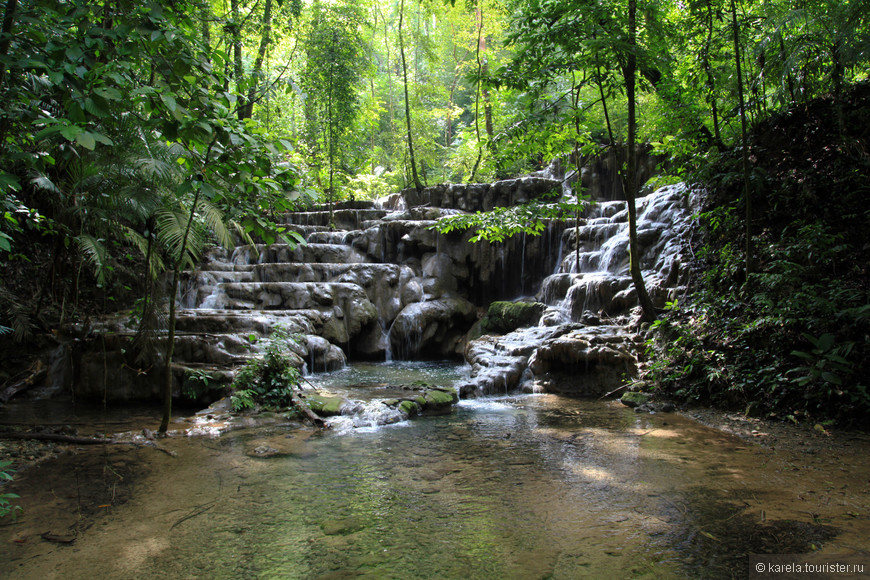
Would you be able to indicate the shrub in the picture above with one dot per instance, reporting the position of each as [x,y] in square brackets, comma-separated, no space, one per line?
[268,381]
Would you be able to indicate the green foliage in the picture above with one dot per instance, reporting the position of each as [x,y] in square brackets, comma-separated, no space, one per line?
[268,380]
[826,362]
[793,339]
[501,223]
[197,382]
[6,507]
[334,66]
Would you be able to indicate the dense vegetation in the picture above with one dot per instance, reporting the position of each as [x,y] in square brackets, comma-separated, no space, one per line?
[131,133]
[792,341]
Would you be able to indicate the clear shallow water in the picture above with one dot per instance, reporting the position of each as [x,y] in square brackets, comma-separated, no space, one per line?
[534,486]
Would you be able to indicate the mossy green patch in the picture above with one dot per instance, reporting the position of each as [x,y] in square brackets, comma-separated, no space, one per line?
[441,397]
[503,317]
[410,408]
[634,399]
[325,406]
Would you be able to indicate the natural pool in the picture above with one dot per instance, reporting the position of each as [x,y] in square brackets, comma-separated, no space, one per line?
[533,486]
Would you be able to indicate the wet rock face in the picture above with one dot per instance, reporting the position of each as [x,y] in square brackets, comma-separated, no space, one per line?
[433,329]
[472,197]
[507,316]
[572,351]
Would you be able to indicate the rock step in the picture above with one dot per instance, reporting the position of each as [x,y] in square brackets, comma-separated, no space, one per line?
[363,274]
[283,295]
[274,253]
[262,323]
[340,219]
[335,237]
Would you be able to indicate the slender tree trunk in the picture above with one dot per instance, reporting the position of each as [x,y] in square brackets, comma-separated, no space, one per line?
[646,305]
[744,138]
[603,101]
[238,70]
[5,43]
[789,79]
[173,307]
[837,74]
[477,95]
[6,32]
[417,184]
[248,109]
[578,164]
[711,80]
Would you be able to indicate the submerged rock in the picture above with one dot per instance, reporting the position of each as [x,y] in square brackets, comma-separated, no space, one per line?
[635,399]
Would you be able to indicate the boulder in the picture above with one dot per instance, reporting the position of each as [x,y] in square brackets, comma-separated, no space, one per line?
[503,317]
[431,329]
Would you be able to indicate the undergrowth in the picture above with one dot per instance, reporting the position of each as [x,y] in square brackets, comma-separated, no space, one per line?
[791,341]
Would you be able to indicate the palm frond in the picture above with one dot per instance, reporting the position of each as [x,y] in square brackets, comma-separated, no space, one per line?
[213,219]
[15,315]
[96,254]
[151,168]
[42,182]
[245,236]
[171,228]
[141,243]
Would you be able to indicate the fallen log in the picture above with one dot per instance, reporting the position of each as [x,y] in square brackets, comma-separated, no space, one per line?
[303,408]
[57,437]
[35,374]
[73,440]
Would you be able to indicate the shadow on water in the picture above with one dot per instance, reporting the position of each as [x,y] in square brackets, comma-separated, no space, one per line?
[518,487]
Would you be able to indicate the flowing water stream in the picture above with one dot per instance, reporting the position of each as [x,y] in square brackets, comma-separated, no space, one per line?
[528,486]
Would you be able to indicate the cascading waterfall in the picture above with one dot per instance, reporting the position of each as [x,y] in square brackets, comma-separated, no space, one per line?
[383,285]
[584,345]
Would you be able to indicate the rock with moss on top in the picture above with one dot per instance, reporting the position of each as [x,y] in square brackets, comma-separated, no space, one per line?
[504,317]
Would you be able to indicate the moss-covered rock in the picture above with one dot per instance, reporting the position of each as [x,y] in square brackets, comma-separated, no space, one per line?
[634,399]
[503,317]
[409,408]
[439,400]
[325,406]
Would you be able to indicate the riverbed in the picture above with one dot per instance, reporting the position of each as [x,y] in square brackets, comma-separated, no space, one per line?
[529,486]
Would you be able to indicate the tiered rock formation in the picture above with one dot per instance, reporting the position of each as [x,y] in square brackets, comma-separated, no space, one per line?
[376,282]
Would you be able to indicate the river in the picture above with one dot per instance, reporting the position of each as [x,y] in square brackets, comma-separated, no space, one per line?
[530,486]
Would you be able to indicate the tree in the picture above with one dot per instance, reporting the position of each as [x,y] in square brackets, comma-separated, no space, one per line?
[90,95]
[334,68]
[630,71]
[417,183]
[565,37]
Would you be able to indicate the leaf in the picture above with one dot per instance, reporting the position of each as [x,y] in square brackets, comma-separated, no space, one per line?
[70,132]
[825,342]
[86,140]
[109,93]
[169,101]
[831,378]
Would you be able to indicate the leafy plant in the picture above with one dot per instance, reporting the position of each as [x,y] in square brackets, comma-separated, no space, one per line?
[825,362]
[197,382]
[268,381]
[6,507]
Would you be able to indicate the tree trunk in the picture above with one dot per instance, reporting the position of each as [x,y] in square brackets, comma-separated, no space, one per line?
[238,70]
[646,305]
[744,138]
[711,80]
[247,110]
[170,344]
[480,43]
[6,32]
[417,184]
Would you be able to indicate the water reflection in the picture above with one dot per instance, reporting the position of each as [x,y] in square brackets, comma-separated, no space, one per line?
[517,487]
